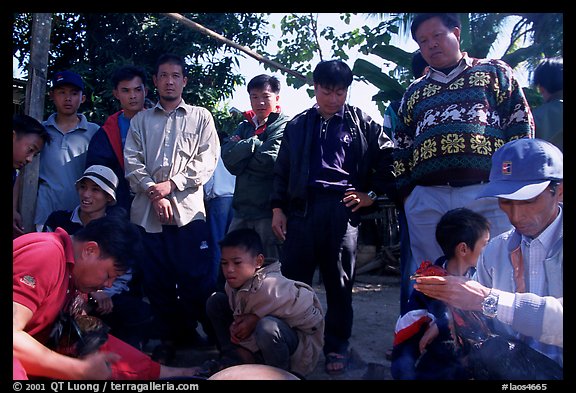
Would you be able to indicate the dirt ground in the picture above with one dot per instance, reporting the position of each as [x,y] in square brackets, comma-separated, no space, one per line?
[376,305]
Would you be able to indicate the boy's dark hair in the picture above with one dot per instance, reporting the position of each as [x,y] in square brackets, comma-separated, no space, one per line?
[25,125]
[263,80]
[333,74]
[247,238]
[418,64]
[170,58]
[460,225]
[550,74]
[126,73]
[449,20]
[117,238]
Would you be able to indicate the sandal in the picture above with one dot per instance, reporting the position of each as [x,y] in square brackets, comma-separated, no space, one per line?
[333,359]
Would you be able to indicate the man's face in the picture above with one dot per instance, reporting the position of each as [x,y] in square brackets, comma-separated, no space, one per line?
[330,99]
[263,102]
[67,99]
[25,148]
[93,199]
[131,94]
[440,46]
[91,271]
[170,81]
[532,216]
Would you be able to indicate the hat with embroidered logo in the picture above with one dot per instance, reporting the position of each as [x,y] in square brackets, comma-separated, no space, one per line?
[523,168]
[104,177]
[67,78]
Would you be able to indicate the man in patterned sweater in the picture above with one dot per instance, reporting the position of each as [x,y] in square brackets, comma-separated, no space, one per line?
[451,121]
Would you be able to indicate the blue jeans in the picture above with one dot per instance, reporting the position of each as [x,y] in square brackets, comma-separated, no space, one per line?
[219,215]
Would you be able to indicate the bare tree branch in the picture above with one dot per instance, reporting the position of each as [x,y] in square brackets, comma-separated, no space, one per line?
[201,29]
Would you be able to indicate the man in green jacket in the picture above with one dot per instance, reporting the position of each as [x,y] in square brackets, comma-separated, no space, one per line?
[250,155]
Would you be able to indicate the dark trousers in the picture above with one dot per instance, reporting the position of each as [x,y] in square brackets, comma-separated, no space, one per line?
[325,238]
[131,319]
[406,284]
[275,339]
[178,274]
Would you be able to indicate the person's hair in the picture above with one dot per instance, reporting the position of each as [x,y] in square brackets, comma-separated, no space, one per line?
[262,81]
[449,20]
[117,238]
[418,64]
[332,73]
[26,125]
[127,73]
[460,225]
[170,58]
[550,74]
[246,238]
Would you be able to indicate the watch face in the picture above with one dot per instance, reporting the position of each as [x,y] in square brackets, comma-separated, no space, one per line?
[490,306]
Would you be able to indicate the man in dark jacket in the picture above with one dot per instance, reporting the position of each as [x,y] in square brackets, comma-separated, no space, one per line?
[334,161]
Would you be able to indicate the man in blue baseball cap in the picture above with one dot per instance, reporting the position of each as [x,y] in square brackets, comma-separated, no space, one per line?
[519,283]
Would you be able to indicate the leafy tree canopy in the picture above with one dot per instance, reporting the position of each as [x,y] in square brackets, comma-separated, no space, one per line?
[95,44]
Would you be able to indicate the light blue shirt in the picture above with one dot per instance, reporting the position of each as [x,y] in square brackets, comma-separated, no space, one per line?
[62,162]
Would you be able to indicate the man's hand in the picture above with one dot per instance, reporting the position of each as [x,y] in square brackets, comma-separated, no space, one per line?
[97,366]
[356,199]
[279,224]
[103,301]
[163,209]
[457,291]
[17,225]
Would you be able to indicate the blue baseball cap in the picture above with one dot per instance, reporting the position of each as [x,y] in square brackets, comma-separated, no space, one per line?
[523,168]
[67,78]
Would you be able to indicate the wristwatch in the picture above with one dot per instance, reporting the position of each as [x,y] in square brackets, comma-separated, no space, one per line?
[372,195]
[490,305]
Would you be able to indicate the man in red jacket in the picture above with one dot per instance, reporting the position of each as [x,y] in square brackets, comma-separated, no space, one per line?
[107,145]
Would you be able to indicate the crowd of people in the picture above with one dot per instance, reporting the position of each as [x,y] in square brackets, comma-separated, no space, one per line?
[157,226]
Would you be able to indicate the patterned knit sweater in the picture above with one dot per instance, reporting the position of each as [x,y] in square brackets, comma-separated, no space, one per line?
[449,130]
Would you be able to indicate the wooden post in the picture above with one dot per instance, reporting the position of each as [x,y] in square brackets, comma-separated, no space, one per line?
[34,107]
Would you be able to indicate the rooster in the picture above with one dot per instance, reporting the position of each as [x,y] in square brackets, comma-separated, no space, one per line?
[468,327]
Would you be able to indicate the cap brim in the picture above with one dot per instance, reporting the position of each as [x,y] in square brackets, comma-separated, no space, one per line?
[518,191]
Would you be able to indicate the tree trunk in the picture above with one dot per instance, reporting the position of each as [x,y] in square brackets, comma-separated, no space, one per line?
[34,107]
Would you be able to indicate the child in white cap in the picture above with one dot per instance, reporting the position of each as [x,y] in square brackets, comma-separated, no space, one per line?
[122,308]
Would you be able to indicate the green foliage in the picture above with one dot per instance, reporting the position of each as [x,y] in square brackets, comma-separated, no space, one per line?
[94,44]
[533,37]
